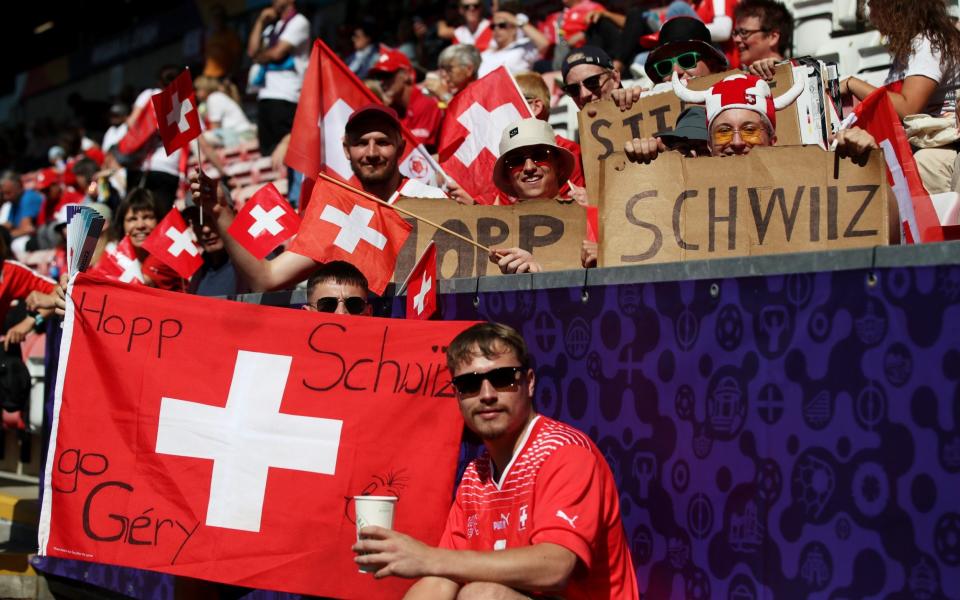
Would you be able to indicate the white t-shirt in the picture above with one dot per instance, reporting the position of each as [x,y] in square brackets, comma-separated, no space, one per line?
[158,159]
[285,85]
[925,61]
[113,136]
[518,57]
[222,109]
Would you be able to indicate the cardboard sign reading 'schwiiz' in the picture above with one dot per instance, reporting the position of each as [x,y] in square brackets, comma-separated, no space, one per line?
[552,231]
[604,128]
[771,201]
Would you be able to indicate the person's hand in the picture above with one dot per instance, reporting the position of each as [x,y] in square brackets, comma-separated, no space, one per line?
[845,86]
[37,300]
[644,150]
[855,143]
[18,332]
[279,153]
[514,260]
[458,193]
[207,193]
[268,15]
[624,98]
[61,298]
[588,254]
[593,16]
[765,68]
[393,553]
[578,194]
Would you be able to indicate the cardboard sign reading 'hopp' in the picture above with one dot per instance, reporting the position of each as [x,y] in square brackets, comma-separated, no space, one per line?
[551,230]
[224,441]
[771,201]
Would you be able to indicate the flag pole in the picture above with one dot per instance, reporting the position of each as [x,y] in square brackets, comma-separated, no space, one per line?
[200,168]
[406,281]
[373,198]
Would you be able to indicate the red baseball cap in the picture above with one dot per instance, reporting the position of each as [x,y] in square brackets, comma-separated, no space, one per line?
[46,178]
[391,61]
[373,110]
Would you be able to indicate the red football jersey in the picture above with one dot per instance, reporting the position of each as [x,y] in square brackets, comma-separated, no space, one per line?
[558,489]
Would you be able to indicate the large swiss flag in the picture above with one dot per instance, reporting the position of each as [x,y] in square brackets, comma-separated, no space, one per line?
[330,94]
[228,445]
[470,139]
[341,224]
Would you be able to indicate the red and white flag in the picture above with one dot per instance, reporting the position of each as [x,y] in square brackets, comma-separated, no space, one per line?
[472,126]
[330,94]
[140,132]
[120,263]
[178,115]
[240,468]
[422,285]
[174,243]
[343,225]
[917,213]
[265,221]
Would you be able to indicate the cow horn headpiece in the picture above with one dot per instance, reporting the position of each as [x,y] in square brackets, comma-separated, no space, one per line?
[739,91]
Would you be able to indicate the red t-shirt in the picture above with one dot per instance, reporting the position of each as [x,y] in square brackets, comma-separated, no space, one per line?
[575,20]
[17,280]
[423,118]
[558,489]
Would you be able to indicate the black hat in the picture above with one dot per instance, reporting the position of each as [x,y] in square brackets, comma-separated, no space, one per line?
[679,35]
[587,55]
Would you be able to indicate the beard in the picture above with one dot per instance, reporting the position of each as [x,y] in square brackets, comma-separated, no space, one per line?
[380,173]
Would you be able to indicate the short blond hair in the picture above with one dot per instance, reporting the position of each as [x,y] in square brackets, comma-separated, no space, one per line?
[532,86]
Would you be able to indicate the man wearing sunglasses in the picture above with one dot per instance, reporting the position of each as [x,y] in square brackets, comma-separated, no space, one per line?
[537,514]
[588,75]
[516,43]
[418,112]
[475,29]
[338,287]
[531,167]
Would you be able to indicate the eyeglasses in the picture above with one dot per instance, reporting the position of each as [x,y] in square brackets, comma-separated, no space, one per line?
[502,379]
[592,83]
[538,154]
[501,25]
[475,6]
[745,33]
[355,305]
[686,60]
[750,133]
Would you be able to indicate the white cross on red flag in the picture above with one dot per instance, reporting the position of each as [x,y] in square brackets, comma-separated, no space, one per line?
[178,116]
[265,221]
[344,225]
[470,139]
[120,263]
[174,243]
[330,94]
[422,286]
[238,467]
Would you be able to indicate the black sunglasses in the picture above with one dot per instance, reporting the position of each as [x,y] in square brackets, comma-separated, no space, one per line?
[538,154]
[355,305]
[502,379]
[592,83]
[501,25]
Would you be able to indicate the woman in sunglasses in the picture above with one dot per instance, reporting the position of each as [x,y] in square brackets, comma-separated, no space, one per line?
[338,287]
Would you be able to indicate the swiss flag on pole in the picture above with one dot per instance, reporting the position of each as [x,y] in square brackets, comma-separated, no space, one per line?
[470,139]
[239,469]
[343,225]
[265,221]
[120,263]
[330,94]
[917,213]
[174,243]
[422,286]
[178,116]
[139,132]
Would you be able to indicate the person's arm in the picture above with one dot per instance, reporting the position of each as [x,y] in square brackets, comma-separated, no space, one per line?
[514,260]
[267,16]
[25,227]
[644,150]
[18,332]
[540,567]
[617,19]
[262,275]
[910,100]
[433,588]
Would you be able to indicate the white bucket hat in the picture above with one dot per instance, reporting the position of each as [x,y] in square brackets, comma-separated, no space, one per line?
[524,134]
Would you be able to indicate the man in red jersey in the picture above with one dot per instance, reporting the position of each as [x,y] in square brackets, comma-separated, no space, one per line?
[537,514]
[418,112]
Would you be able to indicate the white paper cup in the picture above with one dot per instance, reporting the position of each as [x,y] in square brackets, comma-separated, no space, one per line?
[374,510]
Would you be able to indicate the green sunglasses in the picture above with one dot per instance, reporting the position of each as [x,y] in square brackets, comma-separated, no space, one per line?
[687,61]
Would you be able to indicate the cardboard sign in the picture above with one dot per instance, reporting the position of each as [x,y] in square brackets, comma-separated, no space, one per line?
[552,231]
[773,200]
[604,128]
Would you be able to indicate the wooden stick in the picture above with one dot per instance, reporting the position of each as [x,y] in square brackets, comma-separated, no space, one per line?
[200,168]
[373,198]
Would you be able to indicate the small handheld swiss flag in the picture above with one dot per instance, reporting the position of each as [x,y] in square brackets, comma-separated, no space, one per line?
[264,222]
[174,244]
[422,286]
[341,224]
[178,117]
[120,263]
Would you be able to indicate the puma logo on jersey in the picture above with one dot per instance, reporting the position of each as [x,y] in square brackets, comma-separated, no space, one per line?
[564,516]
